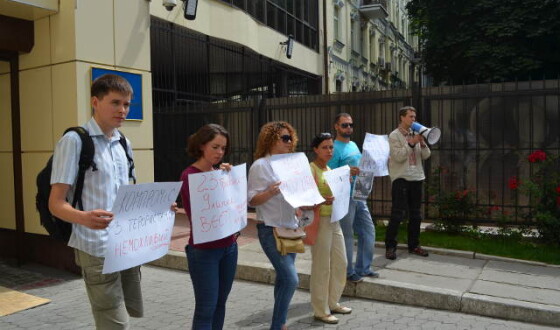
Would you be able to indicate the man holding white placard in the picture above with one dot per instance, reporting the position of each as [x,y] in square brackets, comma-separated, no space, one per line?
[115,296]
[358,220]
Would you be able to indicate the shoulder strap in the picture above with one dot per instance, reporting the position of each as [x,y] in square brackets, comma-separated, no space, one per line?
[86,160]
[123,143]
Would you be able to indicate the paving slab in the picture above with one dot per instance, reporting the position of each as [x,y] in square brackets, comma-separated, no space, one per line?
[448,280]
[440,265]
[521,279]
[428,280]
[516,292]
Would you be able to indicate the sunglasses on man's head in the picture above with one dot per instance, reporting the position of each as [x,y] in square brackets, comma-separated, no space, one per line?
[286,138]
[346,125]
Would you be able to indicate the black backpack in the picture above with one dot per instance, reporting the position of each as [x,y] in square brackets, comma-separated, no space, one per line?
[57,228]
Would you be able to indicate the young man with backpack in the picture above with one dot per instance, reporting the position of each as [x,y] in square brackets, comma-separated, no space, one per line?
[116,296]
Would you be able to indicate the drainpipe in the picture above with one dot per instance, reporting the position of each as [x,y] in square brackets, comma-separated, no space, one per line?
[325,48]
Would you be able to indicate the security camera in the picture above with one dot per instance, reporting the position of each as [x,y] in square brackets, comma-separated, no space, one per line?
[169,4]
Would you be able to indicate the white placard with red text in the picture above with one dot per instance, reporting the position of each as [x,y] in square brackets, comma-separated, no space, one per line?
[142,224]
[218,203]
[298,186]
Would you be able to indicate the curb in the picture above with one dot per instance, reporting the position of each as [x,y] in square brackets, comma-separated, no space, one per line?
[403,293]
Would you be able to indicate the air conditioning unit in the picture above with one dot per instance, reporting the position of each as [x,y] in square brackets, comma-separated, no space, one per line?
[338,3]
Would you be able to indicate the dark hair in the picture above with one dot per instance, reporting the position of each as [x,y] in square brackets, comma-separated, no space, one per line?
[319,138]
[342,114]
[404,110]
[106,83]
[204,135]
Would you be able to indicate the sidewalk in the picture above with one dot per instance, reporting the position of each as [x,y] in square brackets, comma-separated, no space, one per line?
[449,280]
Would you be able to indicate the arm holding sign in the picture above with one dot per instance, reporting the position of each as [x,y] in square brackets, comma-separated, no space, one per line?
[59,206]
[209,145]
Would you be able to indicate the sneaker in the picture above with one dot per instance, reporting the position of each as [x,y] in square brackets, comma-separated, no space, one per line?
[391,254]
[419,251]
[371,274]
[354,278]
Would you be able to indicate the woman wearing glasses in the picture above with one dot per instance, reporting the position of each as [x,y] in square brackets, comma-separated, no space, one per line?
[277,137]
[328,269]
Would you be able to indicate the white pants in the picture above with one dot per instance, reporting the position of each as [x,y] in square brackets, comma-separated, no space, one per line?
[328,269]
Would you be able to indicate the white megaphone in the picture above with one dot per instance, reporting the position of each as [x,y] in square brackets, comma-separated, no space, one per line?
[431,135]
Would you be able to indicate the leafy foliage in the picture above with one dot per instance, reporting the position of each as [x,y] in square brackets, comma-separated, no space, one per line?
[543,190]
[487,40]
[451,209]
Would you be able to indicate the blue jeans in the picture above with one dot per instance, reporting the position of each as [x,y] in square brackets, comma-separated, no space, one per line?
[286,275]
[212,272]
[359,221]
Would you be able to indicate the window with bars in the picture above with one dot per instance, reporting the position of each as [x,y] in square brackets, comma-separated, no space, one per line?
[299,18]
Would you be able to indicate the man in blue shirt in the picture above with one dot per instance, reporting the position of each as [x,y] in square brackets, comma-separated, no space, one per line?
[358,220]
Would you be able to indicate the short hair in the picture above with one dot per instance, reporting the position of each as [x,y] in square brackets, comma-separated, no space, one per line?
[319,138]
[342,114]
[403,111]
[270,134]
[204,135]
[106,83]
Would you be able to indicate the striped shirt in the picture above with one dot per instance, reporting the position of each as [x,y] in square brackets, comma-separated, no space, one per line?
[100,187]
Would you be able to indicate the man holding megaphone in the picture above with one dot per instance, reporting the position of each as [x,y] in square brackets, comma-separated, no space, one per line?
[407,151]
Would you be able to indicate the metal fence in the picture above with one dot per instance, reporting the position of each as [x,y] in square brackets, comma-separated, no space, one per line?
[488,130]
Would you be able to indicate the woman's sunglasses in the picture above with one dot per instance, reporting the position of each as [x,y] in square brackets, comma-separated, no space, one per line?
[286,138]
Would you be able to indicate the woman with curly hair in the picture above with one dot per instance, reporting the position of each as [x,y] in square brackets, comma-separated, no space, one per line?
[277,137]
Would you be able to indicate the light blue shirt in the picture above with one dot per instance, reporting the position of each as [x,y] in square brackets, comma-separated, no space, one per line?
[345,154]
[100,187]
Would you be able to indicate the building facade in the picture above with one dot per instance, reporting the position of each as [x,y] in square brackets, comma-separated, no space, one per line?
[49,47]
[369,45]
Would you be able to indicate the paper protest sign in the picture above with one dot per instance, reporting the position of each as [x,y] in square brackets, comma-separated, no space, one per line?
[298,186]
[375,154]
[142,224]
[339,182]
[218,203]
[363,186]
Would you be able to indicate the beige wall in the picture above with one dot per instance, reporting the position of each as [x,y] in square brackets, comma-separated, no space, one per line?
[218,19]
[54,88]
[7,216]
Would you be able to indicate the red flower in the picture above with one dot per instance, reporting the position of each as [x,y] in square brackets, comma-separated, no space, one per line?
[493,209]
[513,183]
[537,156]
[461,194]
[558,190]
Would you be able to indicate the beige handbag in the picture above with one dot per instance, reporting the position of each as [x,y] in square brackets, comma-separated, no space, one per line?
[289,240]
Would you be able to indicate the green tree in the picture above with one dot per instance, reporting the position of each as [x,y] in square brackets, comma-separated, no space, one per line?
[487,40]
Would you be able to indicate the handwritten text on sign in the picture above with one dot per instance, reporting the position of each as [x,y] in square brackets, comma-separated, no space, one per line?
[339,182]
[375,154]
[298,185]
[218,203]
[142,224]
